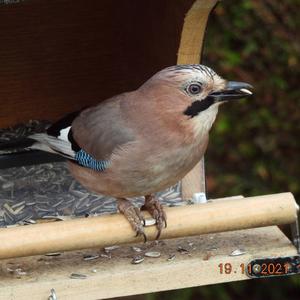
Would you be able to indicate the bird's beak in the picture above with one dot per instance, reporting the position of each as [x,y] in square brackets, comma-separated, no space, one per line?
[234,90]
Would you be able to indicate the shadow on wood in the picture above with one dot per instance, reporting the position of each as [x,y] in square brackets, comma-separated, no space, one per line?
[59,56]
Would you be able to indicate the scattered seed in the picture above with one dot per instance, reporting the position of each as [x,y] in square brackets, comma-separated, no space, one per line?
[90,257]
[57,218]
[52,295]
[78,193]
[107,255]
[111,248]
[182,250]
[8,218]
[9,209]
[136,249]
[22,203]
[237,252]
[94,271]
[78,276]
[171,257]
[7,185]
[137,260]
[53,254]
[29,221]
[153,254]
[57,203]
[20,272]
[211,249]
[13,225]
[150,222]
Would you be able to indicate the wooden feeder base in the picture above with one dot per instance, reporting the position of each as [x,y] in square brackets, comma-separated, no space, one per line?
[114,277]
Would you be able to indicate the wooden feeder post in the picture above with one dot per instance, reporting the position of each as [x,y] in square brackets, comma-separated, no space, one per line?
[190,49]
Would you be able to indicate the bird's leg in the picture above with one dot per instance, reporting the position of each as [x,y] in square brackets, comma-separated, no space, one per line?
[133,215]
[155,209]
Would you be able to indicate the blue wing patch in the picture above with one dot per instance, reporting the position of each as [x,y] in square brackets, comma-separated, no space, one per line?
[86,160]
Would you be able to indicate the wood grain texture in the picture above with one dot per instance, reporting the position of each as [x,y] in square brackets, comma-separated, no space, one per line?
[117,277]
[61,55]
[216,216]
[189,52]
[192,35]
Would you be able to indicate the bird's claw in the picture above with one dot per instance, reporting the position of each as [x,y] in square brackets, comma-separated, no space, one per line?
[156,210]
[134,217]
[141,232]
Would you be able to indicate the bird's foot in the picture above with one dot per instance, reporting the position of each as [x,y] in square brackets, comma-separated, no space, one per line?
[133,215]
[156,210]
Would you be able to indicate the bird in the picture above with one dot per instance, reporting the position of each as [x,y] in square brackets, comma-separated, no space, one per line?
[143,141]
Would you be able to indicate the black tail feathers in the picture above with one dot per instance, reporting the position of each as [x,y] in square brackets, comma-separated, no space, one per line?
[16,145]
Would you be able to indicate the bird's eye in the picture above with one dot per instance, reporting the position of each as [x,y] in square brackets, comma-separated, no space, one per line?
[194,88]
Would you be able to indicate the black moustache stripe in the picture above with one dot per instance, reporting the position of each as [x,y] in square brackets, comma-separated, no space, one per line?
[197,106]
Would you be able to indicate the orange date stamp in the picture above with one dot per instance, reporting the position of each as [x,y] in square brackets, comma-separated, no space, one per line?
[263,269]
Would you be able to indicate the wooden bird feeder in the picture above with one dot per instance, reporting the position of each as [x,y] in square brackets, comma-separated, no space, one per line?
[55,54]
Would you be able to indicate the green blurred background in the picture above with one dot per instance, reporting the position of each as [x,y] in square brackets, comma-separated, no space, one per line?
[255,144]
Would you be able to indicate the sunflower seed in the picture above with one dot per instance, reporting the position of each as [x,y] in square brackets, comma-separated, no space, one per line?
[57,203]
[7,185]
[20,272]
[237,252]
[150,222]
[78,276]
[7,217]
[52,295]
[108,255]
[211,249]
[53,254]
[111,248]
[29,221]
[57,218]
[83,201]
[19,209]
[137,260]
[90,257]
[94,271]
[78,193]
[182,250]
[8,209]
[153,254]
[136,249]
[17,205]
[171,257]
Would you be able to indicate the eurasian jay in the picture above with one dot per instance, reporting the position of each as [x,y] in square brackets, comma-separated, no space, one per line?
[141,142]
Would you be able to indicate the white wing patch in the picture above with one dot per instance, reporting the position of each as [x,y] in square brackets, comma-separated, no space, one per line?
[59,145]
[63,134]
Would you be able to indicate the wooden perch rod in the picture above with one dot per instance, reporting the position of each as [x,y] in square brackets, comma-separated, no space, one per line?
[215,216]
